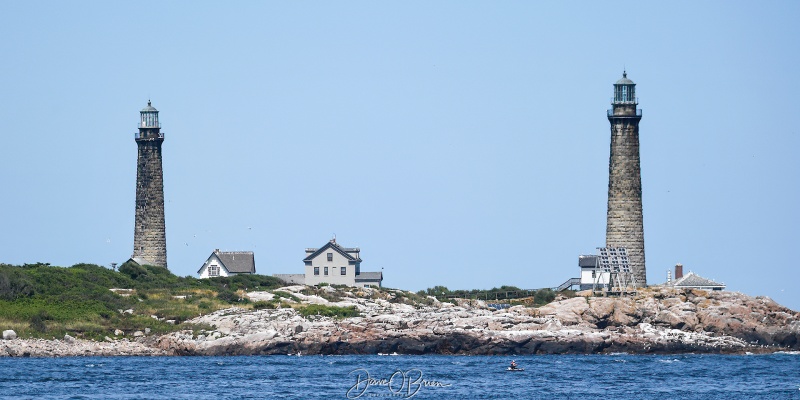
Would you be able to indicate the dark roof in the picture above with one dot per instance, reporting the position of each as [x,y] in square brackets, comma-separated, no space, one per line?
[345,251]
[624,80]
[587,261]
[693,280]
[237,262]
[369,276]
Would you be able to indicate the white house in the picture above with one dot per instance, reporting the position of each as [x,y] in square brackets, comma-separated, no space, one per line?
[335,265]
[227,263]
[591,274]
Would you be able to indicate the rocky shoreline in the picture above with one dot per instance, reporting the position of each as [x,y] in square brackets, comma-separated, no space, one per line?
[656,321]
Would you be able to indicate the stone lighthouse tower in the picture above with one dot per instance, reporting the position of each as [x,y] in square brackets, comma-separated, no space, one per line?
[149,238]
[624,227]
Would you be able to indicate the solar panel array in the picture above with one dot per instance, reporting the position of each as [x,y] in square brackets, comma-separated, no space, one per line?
[614,259]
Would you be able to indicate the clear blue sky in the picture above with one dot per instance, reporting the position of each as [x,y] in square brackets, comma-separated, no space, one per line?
[457,143]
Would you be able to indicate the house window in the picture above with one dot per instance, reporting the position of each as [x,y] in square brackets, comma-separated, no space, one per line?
[344,270]
[316,270]
[213,270]
[326,270]
[330,256]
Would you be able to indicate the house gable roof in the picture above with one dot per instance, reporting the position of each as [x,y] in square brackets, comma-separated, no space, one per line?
[208,260]
[693,280]
[140,261]
[339,249]
[236,262]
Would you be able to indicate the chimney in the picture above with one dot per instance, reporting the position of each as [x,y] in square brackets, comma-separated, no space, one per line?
[216,251]
[678,271]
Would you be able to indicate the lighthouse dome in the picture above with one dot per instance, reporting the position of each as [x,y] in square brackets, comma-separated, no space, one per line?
[149,107]
[624,80]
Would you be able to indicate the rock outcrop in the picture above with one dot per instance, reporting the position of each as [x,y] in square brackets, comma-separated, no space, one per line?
[77,347]
[655,321]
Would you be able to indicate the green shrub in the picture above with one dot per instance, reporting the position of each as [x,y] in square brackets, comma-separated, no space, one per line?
[13,284]
[38,321]
[261,304]
[228,295]
[243,282]
[134,271]
[412,298]
[544,296]
[329,311]
[436,291]
[286,295]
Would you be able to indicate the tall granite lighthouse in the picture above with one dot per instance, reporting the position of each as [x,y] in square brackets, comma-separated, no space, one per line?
[624,227]
[149,238]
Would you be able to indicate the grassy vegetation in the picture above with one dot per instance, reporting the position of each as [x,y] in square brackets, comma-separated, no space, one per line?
[285,295]
[410,298]
[328,311]
[321,291]
[44,301]
[503,294]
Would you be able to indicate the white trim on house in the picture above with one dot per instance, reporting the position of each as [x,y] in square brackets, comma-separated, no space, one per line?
[227,263]
[212,262]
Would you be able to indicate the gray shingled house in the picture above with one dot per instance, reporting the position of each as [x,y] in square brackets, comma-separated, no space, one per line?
[227,263]
[336,265]
[694,281]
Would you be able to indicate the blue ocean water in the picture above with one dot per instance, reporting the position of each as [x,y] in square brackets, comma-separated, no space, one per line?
[775,376]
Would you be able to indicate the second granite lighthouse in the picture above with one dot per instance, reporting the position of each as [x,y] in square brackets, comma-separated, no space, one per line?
[624,223]
[149,238]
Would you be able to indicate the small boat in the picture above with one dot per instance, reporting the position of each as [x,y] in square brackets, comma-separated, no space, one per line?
[518,369]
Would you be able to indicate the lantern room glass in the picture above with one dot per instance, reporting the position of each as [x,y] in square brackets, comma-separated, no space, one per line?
[149,119]
[624,93]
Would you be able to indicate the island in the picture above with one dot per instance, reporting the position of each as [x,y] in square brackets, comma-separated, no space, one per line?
[310,320]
